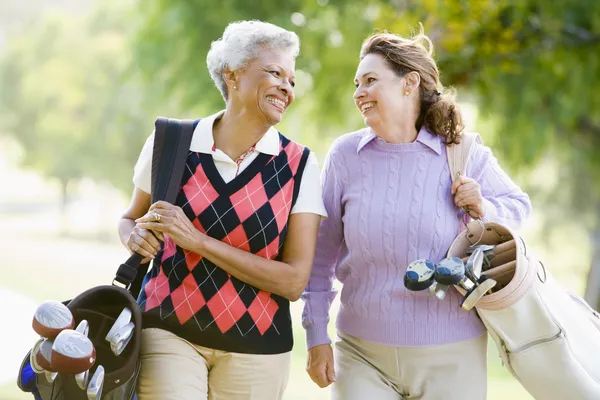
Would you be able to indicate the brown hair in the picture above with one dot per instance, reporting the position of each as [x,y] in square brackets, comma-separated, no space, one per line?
[438,110]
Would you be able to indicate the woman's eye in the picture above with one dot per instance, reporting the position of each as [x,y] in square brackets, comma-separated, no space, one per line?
[371,80]
[293,83]
[275,73]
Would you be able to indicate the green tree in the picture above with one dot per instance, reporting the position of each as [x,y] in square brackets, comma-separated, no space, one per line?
[534,69]
[69,95]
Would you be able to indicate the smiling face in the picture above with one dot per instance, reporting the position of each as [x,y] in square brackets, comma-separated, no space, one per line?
[379,93]
[265,87]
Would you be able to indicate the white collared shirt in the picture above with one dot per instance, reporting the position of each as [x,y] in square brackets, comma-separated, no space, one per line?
[309,197]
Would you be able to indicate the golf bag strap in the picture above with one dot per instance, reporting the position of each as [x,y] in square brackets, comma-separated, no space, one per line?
[458,154]
[172,140]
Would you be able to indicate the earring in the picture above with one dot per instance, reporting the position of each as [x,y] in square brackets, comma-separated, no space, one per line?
[235,87]
[406,92]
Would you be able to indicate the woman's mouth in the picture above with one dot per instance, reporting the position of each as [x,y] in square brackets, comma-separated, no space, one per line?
[278,103]
[364,107]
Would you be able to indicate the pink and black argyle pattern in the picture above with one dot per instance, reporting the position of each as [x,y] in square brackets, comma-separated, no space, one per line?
[192,297]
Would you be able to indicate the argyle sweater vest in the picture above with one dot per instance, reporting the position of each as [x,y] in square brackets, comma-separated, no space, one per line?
[198,301]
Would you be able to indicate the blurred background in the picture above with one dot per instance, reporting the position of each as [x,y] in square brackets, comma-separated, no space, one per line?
[81,82]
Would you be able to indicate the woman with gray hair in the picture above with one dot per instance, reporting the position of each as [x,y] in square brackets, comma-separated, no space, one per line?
[238,244]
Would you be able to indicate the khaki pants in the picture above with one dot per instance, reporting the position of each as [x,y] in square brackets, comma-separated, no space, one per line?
[175,369]
[366,370]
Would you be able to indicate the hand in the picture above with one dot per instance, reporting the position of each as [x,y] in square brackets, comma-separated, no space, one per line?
[143,242]
[320,365]
[168,219]
[467,195]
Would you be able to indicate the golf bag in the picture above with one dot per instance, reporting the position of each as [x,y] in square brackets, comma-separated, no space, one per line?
[102,306]
[547,338]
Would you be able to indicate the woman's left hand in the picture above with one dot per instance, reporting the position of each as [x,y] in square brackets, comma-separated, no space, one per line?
[467,195]
[168,219]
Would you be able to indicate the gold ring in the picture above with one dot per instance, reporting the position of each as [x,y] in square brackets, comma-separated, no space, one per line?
[157,217]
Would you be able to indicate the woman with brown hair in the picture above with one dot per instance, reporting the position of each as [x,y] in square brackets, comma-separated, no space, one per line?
[391,200]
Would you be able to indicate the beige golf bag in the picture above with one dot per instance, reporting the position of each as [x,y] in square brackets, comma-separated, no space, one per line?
[548,338]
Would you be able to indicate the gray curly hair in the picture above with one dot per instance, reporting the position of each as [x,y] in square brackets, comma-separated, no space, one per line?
[241,42]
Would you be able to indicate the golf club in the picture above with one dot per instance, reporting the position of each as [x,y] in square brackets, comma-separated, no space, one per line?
[123,319]
[72,352]
[450,271]
[494,251]
[32,357]
[44,355]
[488,254]
[50,318]
[486,248]
[500,269]
[474,265]
[439,290]
[83,327]
[419,275]
[94,389]
[120,339]
[475,294]
[82,379]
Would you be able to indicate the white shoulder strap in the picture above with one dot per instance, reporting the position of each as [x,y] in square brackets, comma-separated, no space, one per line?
[458,154]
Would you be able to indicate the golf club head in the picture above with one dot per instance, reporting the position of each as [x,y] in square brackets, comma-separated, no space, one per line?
[121,339]
[467,284]
[450,271]
[33,355]
[94,389]
[439,290]
[474,265]
[123,319]
[486,248]
[419,275]
[82,379]
[476,293]
[487,264]
[50,318]
[83,327]
[43,356]
[72,352]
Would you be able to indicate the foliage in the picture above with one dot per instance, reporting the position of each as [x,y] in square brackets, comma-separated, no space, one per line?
[76,91]
[534,70]
[69,96]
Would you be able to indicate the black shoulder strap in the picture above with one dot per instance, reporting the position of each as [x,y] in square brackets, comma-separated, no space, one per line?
[172,140]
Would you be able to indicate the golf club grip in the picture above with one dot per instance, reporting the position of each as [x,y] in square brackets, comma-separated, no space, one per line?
[503,258]
[503,247]
[496,260]
[499,270]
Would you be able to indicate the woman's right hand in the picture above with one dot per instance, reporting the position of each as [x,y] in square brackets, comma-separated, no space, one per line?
[320,365]
[144,243]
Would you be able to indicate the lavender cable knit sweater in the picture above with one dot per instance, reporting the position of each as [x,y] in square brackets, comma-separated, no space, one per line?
[388,205]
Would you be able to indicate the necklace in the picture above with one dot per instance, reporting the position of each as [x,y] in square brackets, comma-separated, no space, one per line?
[240,159]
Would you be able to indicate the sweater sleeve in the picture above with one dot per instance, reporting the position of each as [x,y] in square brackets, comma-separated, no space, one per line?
[319,293]
[504,201]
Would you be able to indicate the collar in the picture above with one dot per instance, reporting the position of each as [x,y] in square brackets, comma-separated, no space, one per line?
[367,136]
[434,142]
[431,140]
[203,141]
